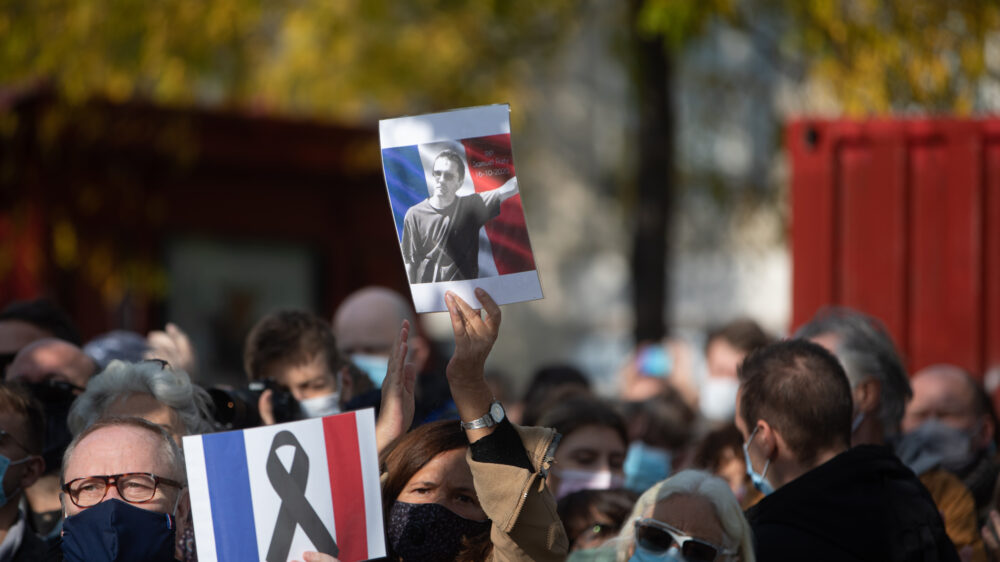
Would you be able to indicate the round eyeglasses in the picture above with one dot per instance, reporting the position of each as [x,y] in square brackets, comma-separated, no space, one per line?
[133,487]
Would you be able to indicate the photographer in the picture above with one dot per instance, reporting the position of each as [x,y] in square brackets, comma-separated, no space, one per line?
[296,350]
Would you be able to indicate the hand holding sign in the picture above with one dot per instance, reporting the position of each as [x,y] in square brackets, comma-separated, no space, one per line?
[475,335]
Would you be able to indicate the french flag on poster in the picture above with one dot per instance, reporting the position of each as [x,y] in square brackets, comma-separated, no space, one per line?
[440,240]
[504,247]
[272,493]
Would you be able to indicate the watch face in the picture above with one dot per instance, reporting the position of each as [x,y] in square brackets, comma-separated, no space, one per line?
[496,412]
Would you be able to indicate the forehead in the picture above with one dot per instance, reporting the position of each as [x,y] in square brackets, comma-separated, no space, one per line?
[444,162]
[448,468]
[115,450]
[291,375]
[692,514]
[370,323]
[591,437]
[943,388]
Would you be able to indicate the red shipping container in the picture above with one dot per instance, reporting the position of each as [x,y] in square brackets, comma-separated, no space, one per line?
[901,219]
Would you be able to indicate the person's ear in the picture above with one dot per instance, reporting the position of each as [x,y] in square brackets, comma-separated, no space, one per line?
[766,440]
[867,396]
[184,505]
[986,432]
[345,385]
[34,468]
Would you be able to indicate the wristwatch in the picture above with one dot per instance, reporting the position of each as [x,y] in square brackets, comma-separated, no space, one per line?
[492,417]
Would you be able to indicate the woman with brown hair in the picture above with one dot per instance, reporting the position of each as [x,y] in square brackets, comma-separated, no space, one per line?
[472,490]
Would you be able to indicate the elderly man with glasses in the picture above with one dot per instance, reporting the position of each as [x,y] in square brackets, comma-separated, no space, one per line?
[124,491]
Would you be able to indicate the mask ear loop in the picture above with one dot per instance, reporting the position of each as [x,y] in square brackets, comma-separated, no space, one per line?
[19,489]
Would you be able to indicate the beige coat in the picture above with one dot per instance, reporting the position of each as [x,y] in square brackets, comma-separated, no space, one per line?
[526,526]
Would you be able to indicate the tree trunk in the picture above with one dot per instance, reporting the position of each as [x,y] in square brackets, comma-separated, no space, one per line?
[655,181]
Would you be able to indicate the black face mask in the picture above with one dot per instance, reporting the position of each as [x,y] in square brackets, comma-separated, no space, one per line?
[428,531]
[56,398]
[116,531]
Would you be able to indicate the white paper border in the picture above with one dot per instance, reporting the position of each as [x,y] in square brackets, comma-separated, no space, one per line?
[505,289]
[467,123]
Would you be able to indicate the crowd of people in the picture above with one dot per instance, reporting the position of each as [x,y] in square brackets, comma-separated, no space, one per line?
[820,446]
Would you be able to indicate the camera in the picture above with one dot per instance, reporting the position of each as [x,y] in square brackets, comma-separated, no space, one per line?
[236,408]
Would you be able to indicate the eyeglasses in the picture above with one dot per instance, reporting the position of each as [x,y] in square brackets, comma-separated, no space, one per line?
[656,536]
[133,487]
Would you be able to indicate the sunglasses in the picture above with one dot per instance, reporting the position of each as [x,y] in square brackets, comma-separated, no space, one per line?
[657,537]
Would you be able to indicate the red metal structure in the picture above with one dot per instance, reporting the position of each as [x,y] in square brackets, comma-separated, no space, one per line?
[901,219]
[99,188]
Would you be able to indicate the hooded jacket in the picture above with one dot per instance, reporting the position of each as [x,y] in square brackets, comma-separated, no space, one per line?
[862,505]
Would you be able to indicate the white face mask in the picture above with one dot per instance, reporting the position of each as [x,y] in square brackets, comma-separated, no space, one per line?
[573,480]
[374,365]
[717,399]
[326,405]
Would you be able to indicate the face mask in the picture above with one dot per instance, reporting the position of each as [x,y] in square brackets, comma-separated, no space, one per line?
[374,365]
[117,531]
[951,446]
[759,480]
[572,480]
[717,399]
[6,463]
[642,555]
[326,405]
[856,423]
[645,465]
[429,531]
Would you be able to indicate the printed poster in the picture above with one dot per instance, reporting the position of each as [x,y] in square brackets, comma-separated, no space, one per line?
[271,493]
[456,204]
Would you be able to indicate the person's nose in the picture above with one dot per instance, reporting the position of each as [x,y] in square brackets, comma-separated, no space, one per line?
[112,493]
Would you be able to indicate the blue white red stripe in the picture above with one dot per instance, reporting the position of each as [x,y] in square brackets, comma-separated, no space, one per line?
[235,506]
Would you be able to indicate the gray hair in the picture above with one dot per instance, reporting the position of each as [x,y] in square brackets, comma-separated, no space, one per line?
[736,531]
[170,452]
[866,352]
[173,388]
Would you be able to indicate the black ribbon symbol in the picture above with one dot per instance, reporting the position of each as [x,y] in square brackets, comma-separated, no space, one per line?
[295,509]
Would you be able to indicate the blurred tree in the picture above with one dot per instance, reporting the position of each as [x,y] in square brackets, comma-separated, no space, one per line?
[872,56]
[348,59]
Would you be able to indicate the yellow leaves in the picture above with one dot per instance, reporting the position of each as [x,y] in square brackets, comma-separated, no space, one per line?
[885,55]
[65,253]
[349,59]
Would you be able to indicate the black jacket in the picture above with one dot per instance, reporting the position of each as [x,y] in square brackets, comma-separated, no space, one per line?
[862,505]
[33,548]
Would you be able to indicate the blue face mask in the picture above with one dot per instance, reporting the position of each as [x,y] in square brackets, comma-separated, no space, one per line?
[374,365]
[759,480]
[643,555]
[6,463]
[645,465]
[116,531]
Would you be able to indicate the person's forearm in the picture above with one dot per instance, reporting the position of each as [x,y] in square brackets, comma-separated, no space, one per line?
[472,397]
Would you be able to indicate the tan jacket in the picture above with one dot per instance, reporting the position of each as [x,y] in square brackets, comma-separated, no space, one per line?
[526,526]
[958,510]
